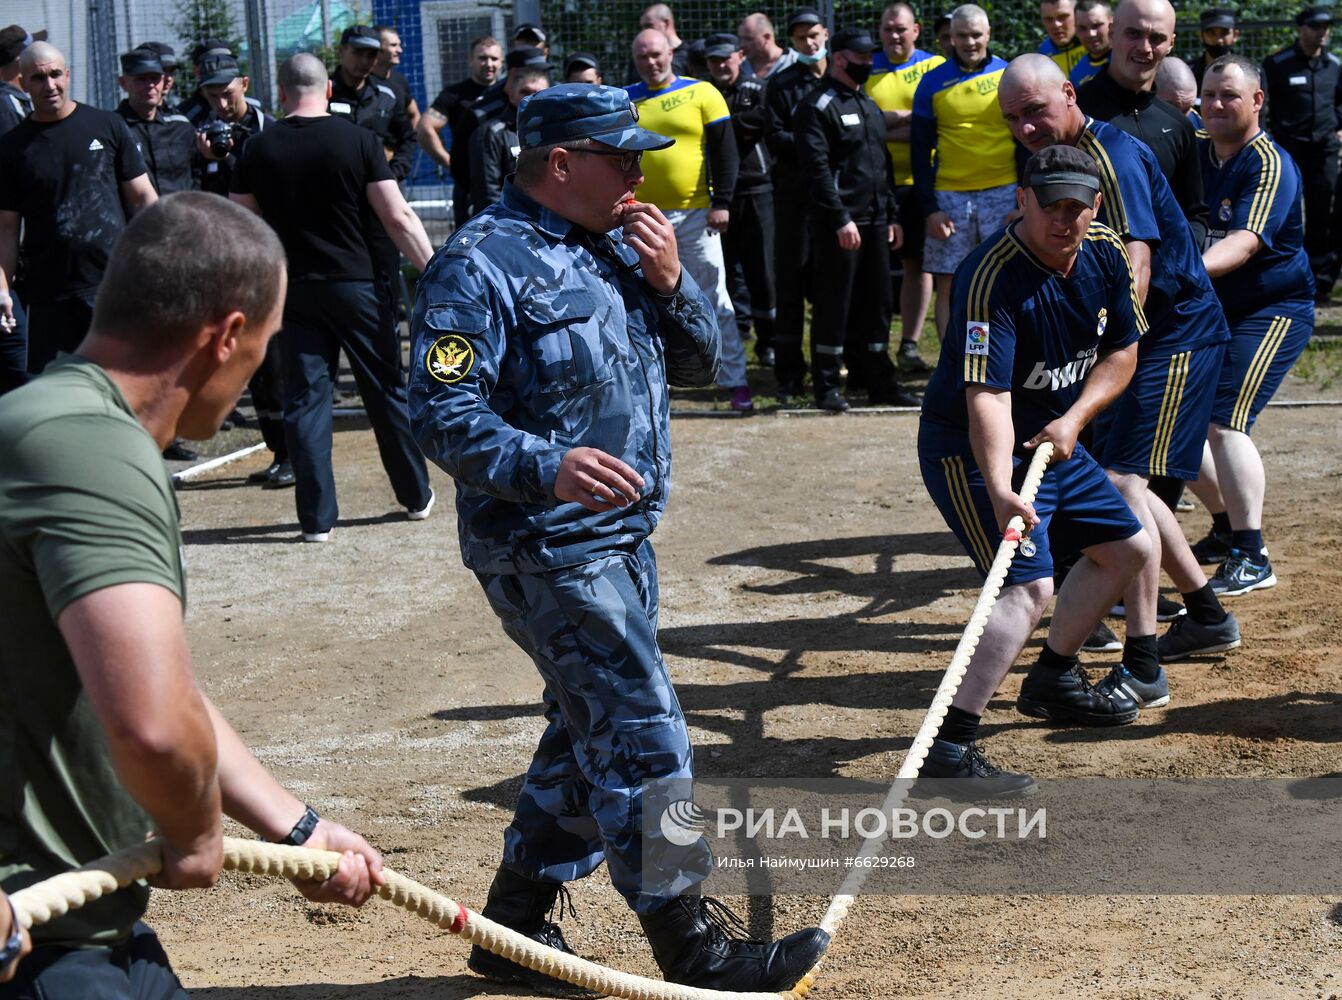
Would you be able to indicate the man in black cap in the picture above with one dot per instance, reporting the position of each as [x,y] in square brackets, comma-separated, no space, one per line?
[356,96]
[15,104]
[494,145]
[167,58]
[786,88]
[849,195]
[229,119]
[1304,113]
[582,67]
[748,243]
[560,445]
[70,176]
[167,141]
[1218,32]
[450,108]
[195,107]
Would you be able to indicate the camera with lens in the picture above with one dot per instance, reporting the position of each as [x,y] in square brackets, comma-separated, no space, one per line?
[222,136]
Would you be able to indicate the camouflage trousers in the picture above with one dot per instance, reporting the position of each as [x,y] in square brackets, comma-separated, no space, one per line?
[615,724]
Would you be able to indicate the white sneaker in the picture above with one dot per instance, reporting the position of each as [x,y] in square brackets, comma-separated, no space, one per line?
[420,515]
[316,536]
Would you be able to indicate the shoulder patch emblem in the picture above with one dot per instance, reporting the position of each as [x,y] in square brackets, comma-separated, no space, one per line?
[450,359]
[976,338]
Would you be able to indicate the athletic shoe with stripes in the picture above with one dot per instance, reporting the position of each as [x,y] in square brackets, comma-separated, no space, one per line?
[1241,573]
[1187,637]
[1147,694]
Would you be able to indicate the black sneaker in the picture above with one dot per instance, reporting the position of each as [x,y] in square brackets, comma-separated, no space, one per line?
[909,360]
[1101,640]
[178,452]
[1213,549]
[1068,697]
[1187,637]
[279,476]
[962,773]
[833,401]
[1147,694]
[263,475]
[1166,610]
[1241,573]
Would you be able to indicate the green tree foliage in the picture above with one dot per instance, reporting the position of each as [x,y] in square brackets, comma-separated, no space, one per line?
[196,21]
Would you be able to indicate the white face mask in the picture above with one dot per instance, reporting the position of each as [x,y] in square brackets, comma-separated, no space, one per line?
[806,60]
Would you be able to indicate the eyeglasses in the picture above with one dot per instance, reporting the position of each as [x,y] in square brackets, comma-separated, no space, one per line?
[628,161]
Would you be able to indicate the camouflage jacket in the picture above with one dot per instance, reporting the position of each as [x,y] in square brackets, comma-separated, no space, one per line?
[532,337]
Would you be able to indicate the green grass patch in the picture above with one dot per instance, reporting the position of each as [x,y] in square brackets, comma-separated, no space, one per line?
[1321,364]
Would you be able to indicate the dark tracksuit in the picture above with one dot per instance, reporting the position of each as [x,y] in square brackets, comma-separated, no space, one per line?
[1304,111]
[493,154]
[847,177]
[782,94]
[15,106]
[748,244]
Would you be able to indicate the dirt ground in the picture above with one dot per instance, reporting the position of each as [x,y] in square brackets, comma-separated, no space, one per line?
[811,598]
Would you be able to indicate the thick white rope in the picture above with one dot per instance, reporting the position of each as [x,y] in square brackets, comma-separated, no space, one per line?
[941,701]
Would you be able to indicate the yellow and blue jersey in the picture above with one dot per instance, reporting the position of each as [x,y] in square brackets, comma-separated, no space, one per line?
[959,140]
[677,177]
[1087,67]
[892,88]
[1018,325]
[1139,204]
[1258,189]
[1065,58]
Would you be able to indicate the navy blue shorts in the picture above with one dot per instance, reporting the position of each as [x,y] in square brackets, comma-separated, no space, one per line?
[1077,506]
[1263,348]
[1158,425]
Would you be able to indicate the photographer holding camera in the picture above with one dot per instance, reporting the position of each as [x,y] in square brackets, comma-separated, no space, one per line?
[233,118]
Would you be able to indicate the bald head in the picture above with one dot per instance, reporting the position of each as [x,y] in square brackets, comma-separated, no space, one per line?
[1038,103]
[47,79]
[1176,84]
[652,57]
[1143,35]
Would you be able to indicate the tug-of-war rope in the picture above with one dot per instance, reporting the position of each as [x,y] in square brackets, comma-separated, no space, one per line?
[45,901]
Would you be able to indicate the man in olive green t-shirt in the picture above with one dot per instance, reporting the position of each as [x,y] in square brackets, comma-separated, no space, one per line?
[105,735]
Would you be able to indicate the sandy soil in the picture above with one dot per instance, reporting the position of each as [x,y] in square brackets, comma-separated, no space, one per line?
[811,598]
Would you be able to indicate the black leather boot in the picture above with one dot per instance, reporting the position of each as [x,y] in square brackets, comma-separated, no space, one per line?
[698,941]
[524,905]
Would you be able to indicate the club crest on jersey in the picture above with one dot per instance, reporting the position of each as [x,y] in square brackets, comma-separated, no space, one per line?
[976,338]
[1027,548]
[1101,321]
[1226,210]
[450,359]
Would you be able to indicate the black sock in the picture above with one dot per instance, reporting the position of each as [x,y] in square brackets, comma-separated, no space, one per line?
[959,727]
[1248,541]
[1221,523]
[1203,607]
[1050,660]
[1139,656]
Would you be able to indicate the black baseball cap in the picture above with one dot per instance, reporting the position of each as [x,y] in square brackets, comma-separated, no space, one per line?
[140,61]
[1315,16]
[210,47]
[526,56]
[804,16]
[1216,17]
[218,70]
[167,57]
[529,30]
[1058,172]
[14,39]
[721,45]
[361,36]
[856,40]
[581,60]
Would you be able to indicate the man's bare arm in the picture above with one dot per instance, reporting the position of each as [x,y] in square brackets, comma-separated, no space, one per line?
[1234,251]
[138,193]
[992,436]
[1139,254]
[428,129]
[401,222]
[1103,385]
[9,244]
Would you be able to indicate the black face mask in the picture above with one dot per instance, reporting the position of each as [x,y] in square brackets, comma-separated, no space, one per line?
[858,72]
[1217,51]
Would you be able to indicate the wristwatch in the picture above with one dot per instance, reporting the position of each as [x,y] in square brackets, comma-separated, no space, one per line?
[9,954]
[302,830]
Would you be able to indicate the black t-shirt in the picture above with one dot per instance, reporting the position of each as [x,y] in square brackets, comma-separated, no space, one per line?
[399,85]
[310,176]
[63,178]
[453,100]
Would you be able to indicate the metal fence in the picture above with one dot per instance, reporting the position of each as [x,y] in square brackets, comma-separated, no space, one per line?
[436,35]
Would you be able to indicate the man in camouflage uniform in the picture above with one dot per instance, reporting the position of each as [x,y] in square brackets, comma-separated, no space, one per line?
[544,343]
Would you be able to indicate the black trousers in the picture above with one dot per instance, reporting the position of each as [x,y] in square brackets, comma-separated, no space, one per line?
[14,349]
[54,327]
[792,253]
[320,319]
[748,246]
[138,969]
[267,389]
[1323,214]
[853,306]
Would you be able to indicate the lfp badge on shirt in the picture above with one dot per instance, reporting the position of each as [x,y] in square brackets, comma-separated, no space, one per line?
[976,338]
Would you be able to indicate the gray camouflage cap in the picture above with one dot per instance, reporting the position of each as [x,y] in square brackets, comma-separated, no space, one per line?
[584,111]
